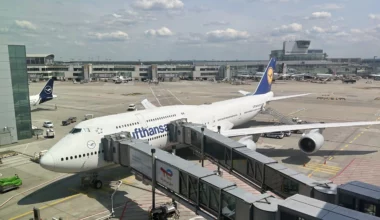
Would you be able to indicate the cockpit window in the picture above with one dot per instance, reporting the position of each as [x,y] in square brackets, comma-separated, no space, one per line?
[75,130]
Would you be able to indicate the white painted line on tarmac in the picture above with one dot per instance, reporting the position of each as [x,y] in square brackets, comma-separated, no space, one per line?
[175,96]
[155,95]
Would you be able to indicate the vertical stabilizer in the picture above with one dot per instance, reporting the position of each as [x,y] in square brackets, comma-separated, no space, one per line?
[265,83]
[47,92]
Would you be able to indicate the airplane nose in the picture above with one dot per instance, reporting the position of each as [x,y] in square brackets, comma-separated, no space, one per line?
[47,162]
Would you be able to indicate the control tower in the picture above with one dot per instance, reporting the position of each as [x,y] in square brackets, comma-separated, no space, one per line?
[297,51]
[296,47]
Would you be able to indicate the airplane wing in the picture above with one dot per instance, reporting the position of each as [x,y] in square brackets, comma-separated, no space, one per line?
[277,97]
[244,92]
[147,104]
[288,96]
[268,129]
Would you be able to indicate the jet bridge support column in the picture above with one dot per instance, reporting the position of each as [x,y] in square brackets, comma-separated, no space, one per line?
[174,153]
[202,146]
[153,151]
[218,171]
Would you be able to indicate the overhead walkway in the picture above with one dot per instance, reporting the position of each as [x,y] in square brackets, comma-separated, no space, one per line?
[208,194]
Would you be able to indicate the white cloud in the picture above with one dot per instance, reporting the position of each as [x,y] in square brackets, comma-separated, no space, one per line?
[61,37]
[158,4]
[332,29]
[318,29]
[319,15]
[162,32]
[342,34]
[374,16]
[356,31]
[228,34]
[112,36]
[26,25]
[116,15]
[285,29]
[216,23]
[329,6]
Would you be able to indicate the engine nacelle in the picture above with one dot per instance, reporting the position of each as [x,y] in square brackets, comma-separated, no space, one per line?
[311,142]
[247,141]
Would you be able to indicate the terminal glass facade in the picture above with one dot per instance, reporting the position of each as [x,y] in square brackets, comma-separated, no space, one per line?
[19,76]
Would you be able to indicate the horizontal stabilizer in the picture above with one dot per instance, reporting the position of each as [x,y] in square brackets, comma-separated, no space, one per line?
[147,104]
[288,97]
[268,129]
[244,92]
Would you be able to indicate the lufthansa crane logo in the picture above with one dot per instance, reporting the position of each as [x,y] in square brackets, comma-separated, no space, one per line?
[270,75]
[47,89]
[91,144]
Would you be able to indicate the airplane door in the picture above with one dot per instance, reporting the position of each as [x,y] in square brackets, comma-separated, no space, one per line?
[142,120]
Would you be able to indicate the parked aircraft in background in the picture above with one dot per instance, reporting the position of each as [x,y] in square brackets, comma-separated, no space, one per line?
[45,95]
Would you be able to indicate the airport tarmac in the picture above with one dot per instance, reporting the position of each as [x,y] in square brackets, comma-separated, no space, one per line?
[59,195]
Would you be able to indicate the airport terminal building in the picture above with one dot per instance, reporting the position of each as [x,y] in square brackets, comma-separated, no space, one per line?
[295,54]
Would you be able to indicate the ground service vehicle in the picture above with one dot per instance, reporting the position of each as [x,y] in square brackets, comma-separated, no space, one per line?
[10,183]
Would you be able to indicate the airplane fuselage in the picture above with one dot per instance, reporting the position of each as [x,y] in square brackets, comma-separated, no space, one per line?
[81,150]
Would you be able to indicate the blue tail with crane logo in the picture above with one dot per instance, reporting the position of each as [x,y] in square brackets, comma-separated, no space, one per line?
[265,83]
[47,92]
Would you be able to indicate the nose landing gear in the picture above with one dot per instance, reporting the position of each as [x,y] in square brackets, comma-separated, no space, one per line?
[91,179]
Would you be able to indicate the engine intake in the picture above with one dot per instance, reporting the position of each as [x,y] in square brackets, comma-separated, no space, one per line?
[311,142]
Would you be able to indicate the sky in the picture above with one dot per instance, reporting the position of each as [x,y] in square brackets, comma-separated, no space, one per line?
[134,30]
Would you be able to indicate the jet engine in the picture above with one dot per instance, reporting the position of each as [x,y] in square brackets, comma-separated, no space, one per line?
[311,142]
[247,141]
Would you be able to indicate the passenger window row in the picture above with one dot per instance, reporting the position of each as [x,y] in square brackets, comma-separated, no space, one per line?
[159,136]
[82,155]
[127,125]
[249,111]
[168,116]
[227,117]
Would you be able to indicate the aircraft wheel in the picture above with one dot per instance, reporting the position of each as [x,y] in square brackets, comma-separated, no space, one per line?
[98,184]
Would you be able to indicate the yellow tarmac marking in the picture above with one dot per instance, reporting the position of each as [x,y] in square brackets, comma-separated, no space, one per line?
[48,205]
[322,168]
[318,169]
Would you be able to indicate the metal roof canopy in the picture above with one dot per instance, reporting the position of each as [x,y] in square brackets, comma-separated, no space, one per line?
[293,174]
[255,155]
[361,190]
[307,207]
[181,164]
[217,182]
[246,196]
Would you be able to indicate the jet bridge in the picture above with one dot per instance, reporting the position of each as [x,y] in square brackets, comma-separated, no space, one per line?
[206,193]
[257,169]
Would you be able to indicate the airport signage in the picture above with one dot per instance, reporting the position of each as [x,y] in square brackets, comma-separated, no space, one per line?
[141,162]
[167,176]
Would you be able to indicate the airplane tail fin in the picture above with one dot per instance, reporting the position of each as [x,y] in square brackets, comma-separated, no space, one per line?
[47,92]
[265,83]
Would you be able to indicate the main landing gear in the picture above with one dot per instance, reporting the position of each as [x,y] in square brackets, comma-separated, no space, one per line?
[91,179]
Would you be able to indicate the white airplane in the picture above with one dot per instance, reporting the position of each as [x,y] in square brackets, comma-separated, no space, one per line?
[121,79]
[81,149]
[45,95]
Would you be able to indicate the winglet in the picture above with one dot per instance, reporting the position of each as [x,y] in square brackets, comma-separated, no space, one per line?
[265,83]
[147,104]
[47,92]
